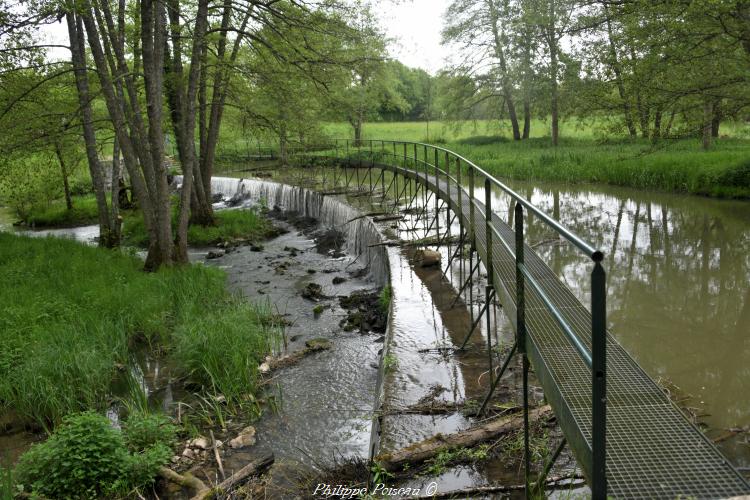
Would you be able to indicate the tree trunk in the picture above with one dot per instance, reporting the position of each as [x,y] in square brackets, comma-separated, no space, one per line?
[126,119]
[64,172]
[504,77]
[78,58]
[152,37]
[283,153]
[555,97]
[114,196]
[656,134]
[708,114]
[357,131]
[618,77]
[183,108]
[526,117]
[716,121]
[668,130]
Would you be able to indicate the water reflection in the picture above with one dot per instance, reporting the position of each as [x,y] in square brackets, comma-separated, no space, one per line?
[678,286]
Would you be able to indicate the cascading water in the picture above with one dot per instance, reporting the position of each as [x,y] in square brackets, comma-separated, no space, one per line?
[361,235]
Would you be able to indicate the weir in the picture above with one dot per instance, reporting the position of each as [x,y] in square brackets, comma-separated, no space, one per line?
[631,440]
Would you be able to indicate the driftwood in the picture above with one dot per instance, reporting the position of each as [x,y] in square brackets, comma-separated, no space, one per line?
[187,480]
[386,244]
[371,214]
[254,467]
[424,450]
[311,346]
[432,241]
[388,218]
[216,455]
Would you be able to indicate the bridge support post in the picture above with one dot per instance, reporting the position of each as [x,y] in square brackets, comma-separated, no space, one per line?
[521,338]
[598,379]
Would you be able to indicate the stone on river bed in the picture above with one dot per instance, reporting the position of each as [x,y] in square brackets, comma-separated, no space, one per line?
[244,438]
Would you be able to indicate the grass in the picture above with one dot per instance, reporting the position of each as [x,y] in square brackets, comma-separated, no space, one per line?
[587,153]
[84,212]
[230,225]
[69,313]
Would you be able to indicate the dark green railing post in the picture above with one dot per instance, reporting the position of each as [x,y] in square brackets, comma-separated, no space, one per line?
[521,337]
[489,264]
[448,177]
[424,191]
[598,378]
[437,193]
[372,162]
[382,170]
[471,204]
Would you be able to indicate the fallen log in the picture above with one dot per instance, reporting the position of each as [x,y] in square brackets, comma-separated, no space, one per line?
[255,467]
[424,450]
[433,241]
[386,244]
[388,218]
[186,480]
[311,346]
[371,214]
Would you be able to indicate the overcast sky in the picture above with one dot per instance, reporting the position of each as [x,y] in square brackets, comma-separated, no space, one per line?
[414,26]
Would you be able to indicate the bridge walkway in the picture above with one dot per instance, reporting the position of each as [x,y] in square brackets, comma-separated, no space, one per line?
[652,450]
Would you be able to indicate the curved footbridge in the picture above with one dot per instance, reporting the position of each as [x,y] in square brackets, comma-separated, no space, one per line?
[631,440]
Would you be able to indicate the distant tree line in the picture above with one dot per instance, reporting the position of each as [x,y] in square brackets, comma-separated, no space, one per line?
[653,69]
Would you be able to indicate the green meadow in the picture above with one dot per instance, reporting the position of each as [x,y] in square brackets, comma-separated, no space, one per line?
[587,154]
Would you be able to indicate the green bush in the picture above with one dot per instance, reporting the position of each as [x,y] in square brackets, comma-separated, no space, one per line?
[142,431]
[87,458]
[29,183]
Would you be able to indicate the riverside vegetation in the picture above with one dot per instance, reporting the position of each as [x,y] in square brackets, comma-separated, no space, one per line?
[586,153]
[71,316]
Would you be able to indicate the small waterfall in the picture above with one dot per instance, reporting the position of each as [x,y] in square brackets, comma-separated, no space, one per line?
[360,233]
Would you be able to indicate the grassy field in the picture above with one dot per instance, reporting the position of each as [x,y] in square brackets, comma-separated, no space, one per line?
[586,154]
[70,314]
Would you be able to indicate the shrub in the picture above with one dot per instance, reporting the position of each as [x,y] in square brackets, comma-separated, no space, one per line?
[86,457]
[142,431]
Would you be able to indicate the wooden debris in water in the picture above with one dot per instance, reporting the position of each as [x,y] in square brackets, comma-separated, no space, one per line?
[429,448]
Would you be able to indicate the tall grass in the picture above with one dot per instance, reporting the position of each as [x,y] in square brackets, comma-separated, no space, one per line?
[56,214]
[69,313]
[230,224]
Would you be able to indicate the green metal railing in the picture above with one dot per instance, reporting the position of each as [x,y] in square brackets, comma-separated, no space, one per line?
[445,170]
[434,166]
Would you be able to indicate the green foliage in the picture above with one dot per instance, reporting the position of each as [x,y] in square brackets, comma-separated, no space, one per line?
[86,457]
[222,350]
[64,325]
[29,183]
[142,431]
[229,225]
[438,464]
[379,474]
[585,154]
[56,214]
[390,362]
[384,300]
[7,483]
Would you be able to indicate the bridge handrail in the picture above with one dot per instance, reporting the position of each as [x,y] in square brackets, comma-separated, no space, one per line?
[596,357]
[589,250]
